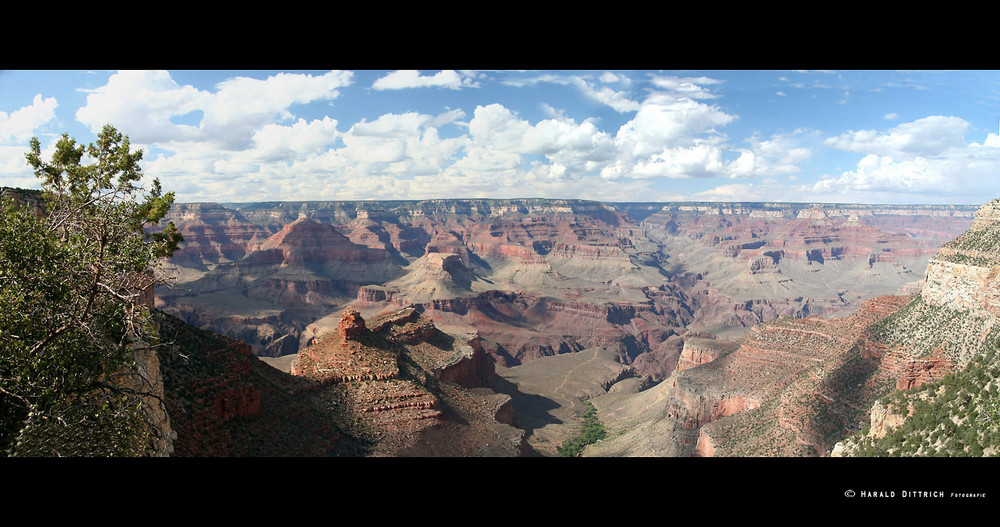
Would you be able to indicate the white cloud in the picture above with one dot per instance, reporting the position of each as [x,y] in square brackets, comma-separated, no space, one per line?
[304,138]
[20,125]
[403,79]
[394,144]
[498,127]
[928,155]
[781,153]
[882,173]
[618,100]
[248,133]
[242,105]
[574,149]
[615,78]
[699,160]
[692,87]
[142,104]
[665,124]
[925,137]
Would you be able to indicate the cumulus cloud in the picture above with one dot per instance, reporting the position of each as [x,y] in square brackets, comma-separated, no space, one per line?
[16,128]
[781,153]
[143,103]
[927,136]
[274,142]
[407,145]
[403,79]
[20,125]
[246,140]
[926,155]
[671,136]
[573,149]
[659,125]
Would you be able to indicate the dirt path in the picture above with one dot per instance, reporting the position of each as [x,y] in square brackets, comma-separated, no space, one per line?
[559,389]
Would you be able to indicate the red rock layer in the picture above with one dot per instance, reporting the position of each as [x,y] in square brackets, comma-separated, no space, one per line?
[797,372]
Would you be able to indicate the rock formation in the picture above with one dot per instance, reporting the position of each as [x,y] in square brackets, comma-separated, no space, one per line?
[796,387]
[265,272]
[396,381]
[527,279]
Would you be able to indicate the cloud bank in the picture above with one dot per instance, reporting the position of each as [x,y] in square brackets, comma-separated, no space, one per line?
[247,139]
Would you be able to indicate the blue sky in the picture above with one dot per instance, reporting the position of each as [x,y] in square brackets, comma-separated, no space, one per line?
[866,136]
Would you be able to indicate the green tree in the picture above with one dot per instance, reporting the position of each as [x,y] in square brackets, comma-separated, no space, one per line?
[75,283]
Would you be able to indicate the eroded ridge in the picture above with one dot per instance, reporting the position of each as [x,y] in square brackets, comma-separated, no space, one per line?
[791,388]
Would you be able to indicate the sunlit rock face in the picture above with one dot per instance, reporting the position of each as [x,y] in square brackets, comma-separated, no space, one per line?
[536,277]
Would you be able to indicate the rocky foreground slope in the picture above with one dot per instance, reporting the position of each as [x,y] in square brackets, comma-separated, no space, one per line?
[395,387]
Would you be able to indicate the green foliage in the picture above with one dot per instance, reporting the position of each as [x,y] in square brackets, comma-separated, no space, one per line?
[593,431]
[956,415]
[71,318]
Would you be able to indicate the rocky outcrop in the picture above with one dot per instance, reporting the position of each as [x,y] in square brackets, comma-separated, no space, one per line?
[918,371]
[883,420]
[209,387]
[351,326]
[692,408]
[892,343]
[788,388]
[405,386]
[704,446]
[24,198]
[698,351]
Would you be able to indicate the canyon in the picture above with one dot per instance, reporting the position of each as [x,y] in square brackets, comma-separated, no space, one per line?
[695,329]
[540,277]
[797,387]
[485,327]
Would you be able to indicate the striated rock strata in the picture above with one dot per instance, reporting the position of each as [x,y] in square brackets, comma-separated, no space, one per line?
[403,387]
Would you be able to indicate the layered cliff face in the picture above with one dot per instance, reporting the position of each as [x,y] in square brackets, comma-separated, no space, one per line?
[797,387]
[239,279]
[527,279]
[402,387]
[790,387]
[955,316]
[946,339]
[834,257]
[223,401]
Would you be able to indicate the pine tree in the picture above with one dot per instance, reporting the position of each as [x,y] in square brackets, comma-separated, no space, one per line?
[72,314]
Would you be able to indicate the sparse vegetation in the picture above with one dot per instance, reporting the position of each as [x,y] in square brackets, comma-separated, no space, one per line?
[958,415]
[924,327]
[593,431]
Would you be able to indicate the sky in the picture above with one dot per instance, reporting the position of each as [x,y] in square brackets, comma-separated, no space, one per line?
[862,136]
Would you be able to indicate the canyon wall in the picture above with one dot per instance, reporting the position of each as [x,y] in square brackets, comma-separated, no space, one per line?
[570,273]
[798,386]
